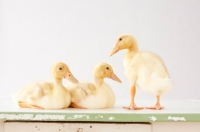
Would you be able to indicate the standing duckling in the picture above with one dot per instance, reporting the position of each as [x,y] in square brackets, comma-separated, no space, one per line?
[94,96]
[46,95]
[145,70]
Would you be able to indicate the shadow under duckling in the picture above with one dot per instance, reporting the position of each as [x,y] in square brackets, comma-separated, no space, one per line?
[94,96]
[145,70]
[47,95]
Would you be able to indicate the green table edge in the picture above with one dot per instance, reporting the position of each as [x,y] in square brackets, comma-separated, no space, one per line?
[100,117]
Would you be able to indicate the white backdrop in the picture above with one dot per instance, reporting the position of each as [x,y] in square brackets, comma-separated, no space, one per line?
[37,33]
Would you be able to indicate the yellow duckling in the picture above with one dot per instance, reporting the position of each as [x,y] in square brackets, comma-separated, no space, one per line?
[145,70]
[46,95]
[94,96]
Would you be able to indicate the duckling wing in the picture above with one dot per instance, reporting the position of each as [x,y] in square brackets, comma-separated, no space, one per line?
[34,91]
[81,90]
[152,74]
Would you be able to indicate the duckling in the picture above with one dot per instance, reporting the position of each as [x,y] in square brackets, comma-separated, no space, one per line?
[143,69]
[94,96]
[47,95]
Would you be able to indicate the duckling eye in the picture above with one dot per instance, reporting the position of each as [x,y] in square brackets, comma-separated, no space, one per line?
[120,39]
[60,68]
[107,68]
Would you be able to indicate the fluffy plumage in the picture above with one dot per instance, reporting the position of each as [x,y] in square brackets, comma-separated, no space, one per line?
[47,95]
[145,70]
[94,96]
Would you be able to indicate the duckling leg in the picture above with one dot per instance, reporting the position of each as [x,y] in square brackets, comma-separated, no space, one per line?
[157,105]
[132,105]
[73,105]
[26,105]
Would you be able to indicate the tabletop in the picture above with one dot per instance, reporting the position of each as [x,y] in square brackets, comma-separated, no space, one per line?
[187,110]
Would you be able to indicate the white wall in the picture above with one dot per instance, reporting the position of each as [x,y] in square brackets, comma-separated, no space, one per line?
[37,33]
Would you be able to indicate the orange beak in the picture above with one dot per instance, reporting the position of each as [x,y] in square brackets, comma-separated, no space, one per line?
[115,50]
[115,78]
[71,78]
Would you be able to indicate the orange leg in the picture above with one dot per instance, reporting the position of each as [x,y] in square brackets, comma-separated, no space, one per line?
[73,105]
[132,105]
[157,105]
[26,105]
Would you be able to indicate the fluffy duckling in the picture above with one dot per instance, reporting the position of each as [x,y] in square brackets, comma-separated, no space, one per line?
[145,70]
[94,96]
[46,95]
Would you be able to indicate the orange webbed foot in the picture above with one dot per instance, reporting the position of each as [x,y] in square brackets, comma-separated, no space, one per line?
[26,105]
[156,107]
[73,105]
[133,107]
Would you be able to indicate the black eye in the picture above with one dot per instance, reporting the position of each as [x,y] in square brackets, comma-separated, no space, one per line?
[107,68]
[60,68]
[120,39]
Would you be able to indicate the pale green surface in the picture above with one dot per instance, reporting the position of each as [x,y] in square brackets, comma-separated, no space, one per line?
[179,110]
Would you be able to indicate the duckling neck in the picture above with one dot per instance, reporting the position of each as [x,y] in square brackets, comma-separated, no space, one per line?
[57,83]
[133,47]
[98,81]
[129,55]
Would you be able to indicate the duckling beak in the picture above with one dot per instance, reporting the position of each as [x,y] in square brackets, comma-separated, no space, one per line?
[71,78]
[115,50]
[115,78]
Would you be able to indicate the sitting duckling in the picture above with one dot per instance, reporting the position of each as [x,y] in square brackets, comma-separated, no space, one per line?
[46,95]
[143,69]
[94,96]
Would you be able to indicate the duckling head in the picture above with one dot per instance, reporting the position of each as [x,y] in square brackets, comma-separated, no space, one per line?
[104,70]
[61,70]
[125,42]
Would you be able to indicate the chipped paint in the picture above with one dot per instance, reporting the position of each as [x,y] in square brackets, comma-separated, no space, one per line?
[79,116]
[16,116]
[153,118]
[111,118]
[99,116]
[176,118]
[31,117]
[47,117]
